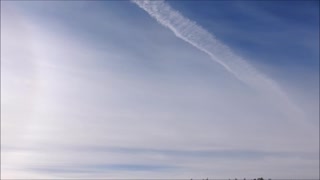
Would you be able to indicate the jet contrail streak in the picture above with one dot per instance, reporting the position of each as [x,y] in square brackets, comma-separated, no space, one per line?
[197,36]
[192,33]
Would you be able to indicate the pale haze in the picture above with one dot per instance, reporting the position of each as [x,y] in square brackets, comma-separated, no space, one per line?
[160,89]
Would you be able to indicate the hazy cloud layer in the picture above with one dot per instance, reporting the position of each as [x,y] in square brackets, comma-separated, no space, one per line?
[100,89]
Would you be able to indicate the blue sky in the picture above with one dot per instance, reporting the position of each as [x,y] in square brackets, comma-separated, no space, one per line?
[160,89]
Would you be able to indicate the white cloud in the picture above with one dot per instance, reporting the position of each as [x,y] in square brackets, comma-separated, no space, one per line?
[194,34]
[66,95]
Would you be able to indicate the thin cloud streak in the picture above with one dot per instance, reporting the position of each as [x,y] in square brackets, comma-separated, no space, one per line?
[197,36]
[192,33]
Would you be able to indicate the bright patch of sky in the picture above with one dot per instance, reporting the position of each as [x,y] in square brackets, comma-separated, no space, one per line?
[96,89]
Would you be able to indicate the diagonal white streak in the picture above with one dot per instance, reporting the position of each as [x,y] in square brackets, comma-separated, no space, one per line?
[197,36]
[192,33]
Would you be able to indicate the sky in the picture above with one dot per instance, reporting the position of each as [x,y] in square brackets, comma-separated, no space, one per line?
[160,89]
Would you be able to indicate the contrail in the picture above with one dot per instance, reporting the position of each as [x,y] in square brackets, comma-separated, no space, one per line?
[197,36]
[194,34]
